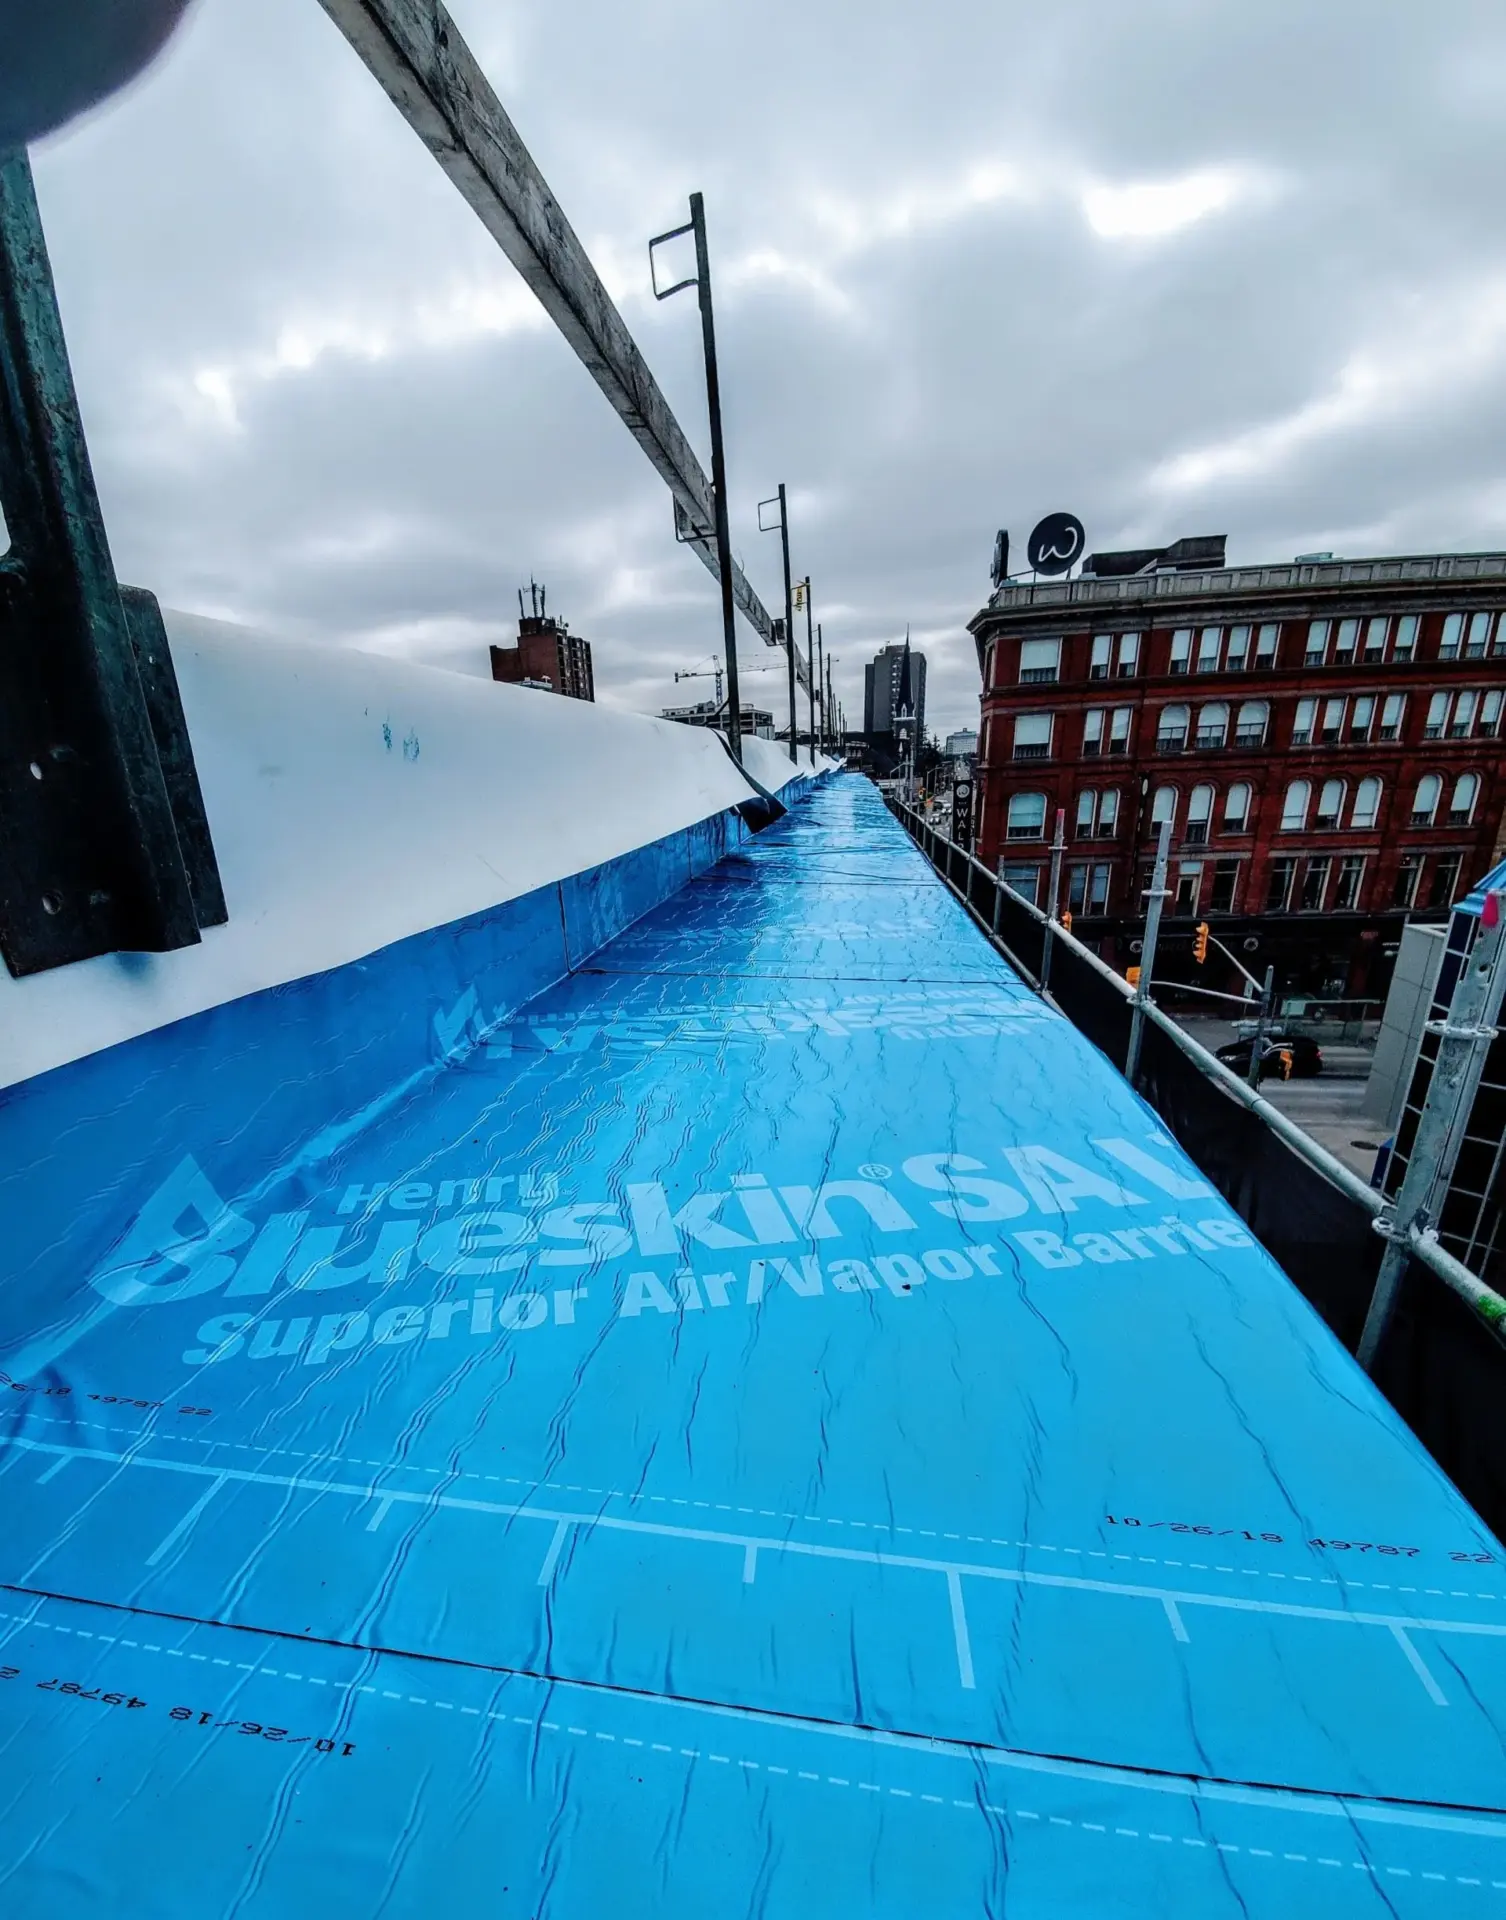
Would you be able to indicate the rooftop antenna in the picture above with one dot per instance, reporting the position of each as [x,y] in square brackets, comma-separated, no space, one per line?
[543,601]
[522,610]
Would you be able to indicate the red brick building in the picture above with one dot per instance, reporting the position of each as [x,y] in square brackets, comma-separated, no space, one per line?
[1325,738]
[547,655]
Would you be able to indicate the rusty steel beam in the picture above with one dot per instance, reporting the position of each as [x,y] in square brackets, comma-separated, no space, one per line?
[419,57]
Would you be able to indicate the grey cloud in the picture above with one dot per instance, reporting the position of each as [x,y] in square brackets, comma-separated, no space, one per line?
[921,332]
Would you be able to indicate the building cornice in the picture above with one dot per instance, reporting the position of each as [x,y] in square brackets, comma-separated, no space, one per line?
[1284,590]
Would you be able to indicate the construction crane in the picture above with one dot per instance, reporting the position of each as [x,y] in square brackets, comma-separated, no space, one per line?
[717,671]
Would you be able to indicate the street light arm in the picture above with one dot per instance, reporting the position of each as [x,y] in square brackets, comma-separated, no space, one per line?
[1234,958]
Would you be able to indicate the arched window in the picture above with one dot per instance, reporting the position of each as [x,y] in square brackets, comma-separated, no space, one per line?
[1367,799]
[1027,816]
[1097,814]
[1462,807]
[1237,808]
[1212,724]
[1163,806]
[1171,729]
[1425,802]
[1294,807]
[1199,813]
[1249,727]
[1330,805]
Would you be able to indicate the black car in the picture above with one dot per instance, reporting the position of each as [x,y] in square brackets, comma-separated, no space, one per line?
[1283,1056]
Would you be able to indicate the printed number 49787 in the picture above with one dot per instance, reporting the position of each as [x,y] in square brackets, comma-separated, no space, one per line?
[90,1693]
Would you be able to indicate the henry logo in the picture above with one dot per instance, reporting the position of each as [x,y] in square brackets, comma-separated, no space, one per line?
[182,1243]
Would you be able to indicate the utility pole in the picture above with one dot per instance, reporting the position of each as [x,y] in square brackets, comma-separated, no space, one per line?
[702,283]
[789,605]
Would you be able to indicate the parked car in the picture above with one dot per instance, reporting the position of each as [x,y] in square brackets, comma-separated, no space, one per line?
[1306,1056]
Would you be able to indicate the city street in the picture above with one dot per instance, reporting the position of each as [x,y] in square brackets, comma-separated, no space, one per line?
[1327,1106]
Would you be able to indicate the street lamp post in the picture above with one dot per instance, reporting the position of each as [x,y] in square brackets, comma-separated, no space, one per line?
[789,608]
[701,281]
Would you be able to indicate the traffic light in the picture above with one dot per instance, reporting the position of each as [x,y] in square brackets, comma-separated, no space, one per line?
[1200,942]
[1285,1057]
[1066,919]
[1132,974]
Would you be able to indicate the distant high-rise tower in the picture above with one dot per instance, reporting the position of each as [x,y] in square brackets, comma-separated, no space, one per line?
[893,672]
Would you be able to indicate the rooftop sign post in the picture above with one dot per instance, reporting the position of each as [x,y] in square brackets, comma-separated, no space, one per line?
[421,60]
[803,599]
[783,529]
[701,281]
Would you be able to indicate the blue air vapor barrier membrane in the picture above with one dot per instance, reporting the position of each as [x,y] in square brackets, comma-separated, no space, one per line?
[768,1427]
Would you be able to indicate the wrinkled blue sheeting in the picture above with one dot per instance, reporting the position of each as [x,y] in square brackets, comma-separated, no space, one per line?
[768,1426]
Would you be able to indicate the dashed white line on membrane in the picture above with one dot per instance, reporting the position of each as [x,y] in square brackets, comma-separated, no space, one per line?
[1171,1601]
[615,1493]
[1079,1773]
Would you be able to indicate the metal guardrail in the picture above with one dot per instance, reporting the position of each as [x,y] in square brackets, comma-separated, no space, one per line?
[1342,1022]
[946,856]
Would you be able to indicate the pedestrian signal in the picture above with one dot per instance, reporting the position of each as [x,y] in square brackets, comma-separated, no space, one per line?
[1132,974]
[1200,942]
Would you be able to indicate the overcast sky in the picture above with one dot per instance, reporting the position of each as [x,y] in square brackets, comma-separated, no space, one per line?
[1182,267]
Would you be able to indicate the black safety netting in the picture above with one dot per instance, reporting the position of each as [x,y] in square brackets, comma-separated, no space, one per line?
[1440,1366]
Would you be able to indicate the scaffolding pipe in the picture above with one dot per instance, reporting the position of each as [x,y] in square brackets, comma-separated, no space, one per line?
[1053,899]
[1156,893]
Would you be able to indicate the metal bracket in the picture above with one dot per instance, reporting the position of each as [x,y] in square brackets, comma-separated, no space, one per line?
[687,533]
[104,842]
[694,280]
[1384,1223]
[1446,1031]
